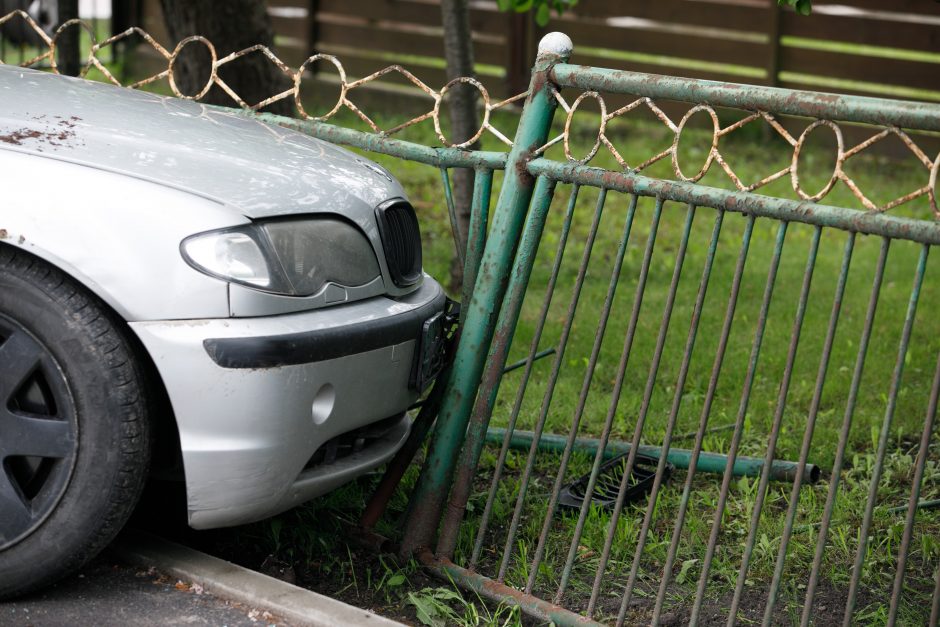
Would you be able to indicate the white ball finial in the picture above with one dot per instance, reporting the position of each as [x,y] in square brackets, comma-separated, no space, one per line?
[556,43]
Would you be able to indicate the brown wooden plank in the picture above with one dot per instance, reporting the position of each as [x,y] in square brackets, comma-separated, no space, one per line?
[599,35]
[923,7]
[916,74]
[435,78]
[422,12]
[868,31]
[691,12]
[386,40]
[295,28]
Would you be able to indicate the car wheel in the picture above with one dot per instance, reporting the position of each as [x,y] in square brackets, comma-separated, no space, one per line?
[74,432]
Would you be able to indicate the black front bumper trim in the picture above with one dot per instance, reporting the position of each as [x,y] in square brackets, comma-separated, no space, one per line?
[321,345]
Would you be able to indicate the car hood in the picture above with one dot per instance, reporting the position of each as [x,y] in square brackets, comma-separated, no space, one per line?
[259,169]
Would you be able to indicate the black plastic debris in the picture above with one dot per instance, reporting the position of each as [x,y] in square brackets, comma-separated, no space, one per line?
[608,483]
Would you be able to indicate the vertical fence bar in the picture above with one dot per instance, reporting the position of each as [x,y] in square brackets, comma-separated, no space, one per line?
[582,398]
[618,388]
[739,422]
[674,413]
[549,392]
[775,428]
[599,455]
[396,468]
[523,384]
[644,412]
[706,407]
[452,214]
[476,237]
[495,362]
[844,434]
[883,438]
[935,603]
[810,427]
[922,454]
[434,481]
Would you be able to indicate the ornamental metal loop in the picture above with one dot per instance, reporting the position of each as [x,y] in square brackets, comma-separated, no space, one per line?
[932,187]
[837,169]
[212,71]
[53,42]
[298,76]
[712,151]
[600,130]
[463,80]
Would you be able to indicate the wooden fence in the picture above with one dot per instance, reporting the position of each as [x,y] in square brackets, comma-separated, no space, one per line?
[857,46]
[872,47]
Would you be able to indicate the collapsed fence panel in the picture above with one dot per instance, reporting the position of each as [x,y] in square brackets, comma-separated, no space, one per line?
[722,307]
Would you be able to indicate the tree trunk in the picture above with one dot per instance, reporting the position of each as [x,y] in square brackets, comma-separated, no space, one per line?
[230,25]
[458,51]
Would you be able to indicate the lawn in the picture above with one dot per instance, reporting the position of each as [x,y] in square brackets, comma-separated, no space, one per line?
[310,539]
[753,153]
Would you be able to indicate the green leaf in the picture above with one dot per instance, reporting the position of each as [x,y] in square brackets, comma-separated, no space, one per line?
[521,6]
[504,5]
[684,571]
[542,15]
[427,610]
[395,580]
[446,594]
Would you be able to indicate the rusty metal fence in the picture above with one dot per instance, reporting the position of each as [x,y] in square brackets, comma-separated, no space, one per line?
[541,551]
[653,302]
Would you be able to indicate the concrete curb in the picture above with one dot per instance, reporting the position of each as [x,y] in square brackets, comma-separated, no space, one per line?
[299,606]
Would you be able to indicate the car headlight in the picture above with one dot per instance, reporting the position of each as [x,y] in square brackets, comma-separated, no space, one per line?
[295,257]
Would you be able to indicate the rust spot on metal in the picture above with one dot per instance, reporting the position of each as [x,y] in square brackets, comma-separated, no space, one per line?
[54,135]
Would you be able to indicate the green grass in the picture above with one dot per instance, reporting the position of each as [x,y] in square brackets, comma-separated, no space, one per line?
[314,534]
[752,156]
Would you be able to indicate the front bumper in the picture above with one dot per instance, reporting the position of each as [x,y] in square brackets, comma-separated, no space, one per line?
[255,398]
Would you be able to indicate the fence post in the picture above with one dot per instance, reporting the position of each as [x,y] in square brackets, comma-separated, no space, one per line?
[434,482]
[773,34]
[69,62]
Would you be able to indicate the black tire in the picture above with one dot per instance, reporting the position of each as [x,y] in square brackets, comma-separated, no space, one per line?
[74,430]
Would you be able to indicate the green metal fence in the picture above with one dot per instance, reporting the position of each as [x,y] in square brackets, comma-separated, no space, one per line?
[550,549]
[493,523]
[619,306]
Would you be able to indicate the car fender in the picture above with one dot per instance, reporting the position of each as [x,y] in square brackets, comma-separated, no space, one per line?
[118,236]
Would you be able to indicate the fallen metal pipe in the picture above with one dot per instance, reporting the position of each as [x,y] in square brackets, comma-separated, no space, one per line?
[780,470]
[501,593]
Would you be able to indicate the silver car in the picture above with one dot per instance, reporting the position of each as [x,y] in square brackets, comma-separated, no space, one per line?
[234,296]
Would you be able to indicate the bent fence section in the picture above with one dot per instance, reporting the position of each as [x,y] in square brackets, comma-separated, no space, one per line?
[744,373]
[503,523]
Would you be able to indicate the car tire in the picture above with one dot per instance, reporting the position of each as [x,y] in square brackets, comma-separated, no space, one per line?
[74,429]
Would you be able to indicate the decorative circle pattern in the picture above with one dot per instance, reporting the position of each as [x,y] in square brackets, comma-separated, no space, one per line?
[600,129]
[212,71]
[836,171]
[712,151]
[347,86]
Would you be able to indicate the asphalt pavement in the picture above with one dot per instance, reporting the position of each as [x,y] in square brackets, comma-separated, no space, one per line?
[109,592]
